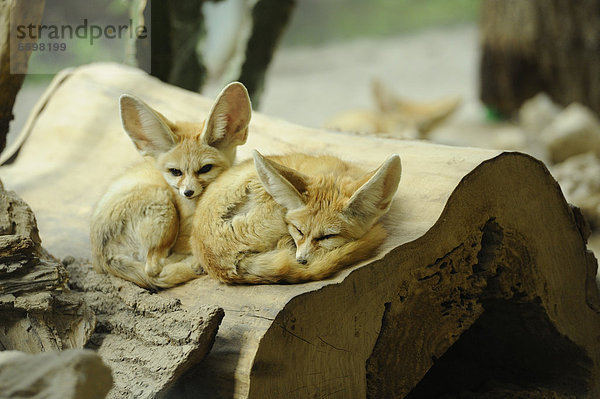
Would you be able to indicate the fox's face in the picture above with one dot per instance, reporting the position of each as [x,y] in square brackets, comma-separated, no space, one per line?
[191,165]
[190,155]
[326,212]
[322,226]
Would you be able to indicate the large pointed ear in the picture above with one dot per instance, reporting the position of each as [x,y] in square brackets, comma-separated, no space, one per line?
[385,99]
[227,123]
[284,184]
[147,129]
[374,197]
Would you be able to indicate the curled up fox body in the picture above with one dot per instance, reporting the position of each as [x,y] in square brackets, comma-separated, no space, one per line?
[140,228]
[291,218]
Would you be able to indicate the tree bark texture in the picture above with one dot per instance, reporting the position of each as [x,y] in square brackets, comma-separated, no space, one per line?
[37,314]
[532,46]
[147,340]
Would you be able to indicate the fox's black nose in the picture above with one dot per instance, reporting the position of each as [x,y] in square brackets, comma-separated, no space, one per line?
[302,261]
[188,193]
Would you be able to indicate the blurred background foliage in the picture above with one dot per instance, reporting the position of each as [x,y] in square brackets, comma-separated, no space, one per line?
[317,22]
[314,22]
[57,12]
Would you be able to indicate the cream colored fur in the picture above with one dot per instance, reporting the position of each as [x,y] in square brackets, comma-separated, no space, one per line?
[395,116]
[140,228]
[291,218]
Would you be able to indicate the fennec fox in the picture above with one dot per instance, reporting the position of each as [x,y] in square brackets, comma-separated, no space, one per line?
[395,117]
[291,218]
[140,228]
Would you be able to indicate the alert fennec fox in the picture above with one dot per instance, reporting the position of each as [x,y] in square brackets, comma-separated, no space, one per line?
[140,228]
[291,218]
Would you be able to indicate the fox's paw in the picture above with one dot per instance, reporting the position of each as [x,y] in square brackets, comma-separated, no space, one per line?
[153,269]
[197,268]
[193,263]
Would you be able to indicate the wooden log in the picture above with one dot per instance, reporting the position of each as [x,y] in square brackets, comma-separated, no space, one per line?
[13,62]
[36,314]
[484,285]
[533,46]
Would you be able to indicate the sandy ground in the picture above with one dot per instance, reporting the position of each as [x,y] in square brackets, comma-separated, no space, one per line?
[309,85]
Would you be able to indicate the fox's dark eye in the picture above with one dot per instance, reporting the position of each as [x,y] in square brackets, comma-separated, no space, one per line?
[299,231]
[175,172]
[325,237]
[205,169]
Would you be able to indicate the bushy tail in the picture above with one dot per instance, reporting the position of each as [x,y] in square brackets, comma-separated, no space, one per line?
[108,257]
[130,269]
[280,265]
[173,274]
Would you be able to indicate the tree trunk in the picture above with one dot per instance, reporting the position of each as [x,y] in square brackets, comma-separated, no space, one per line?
[13,62]
[483,287]
[177,27]
[532,46]
[269,20]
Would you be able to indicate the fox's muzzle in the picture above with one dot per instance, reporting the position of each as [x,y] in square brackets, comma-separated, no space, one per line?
[190,191]
[302,253]
[302,261]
